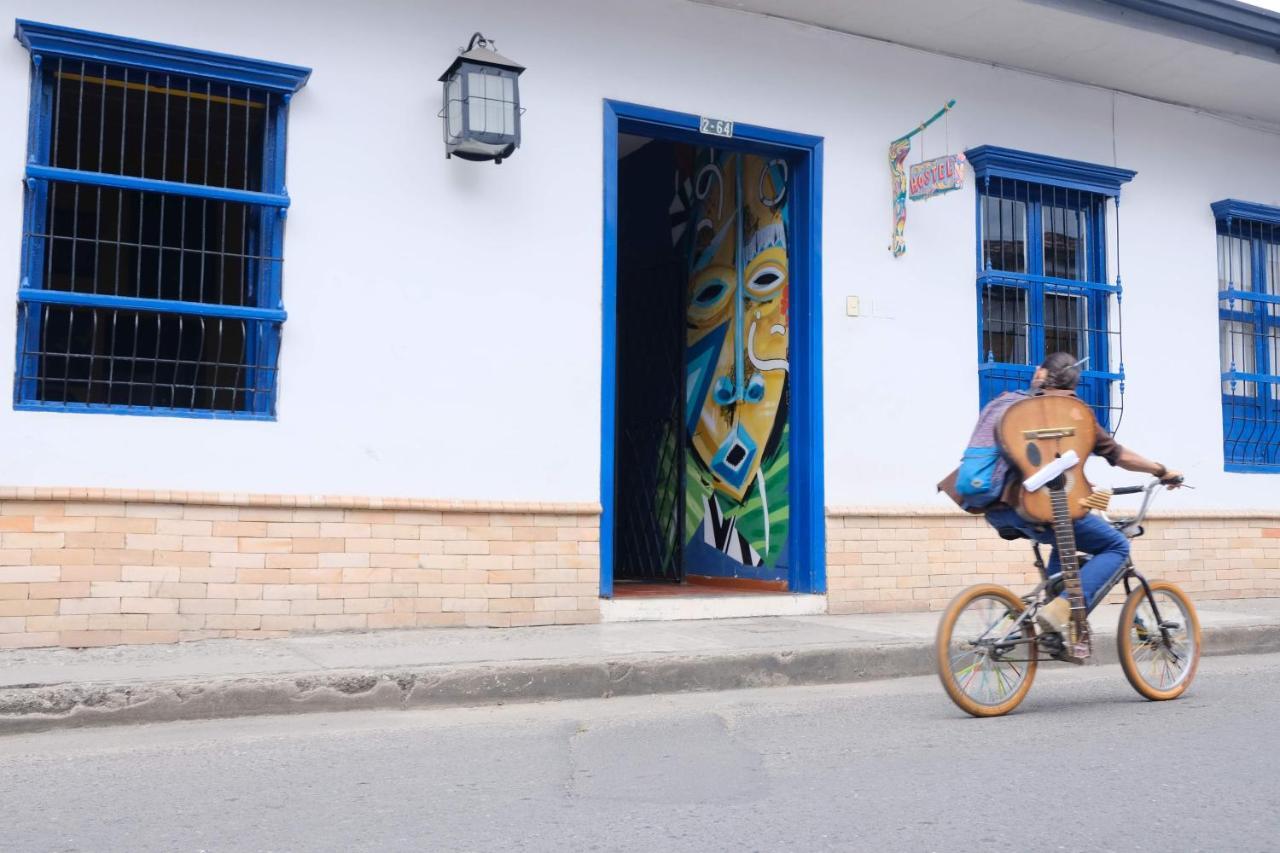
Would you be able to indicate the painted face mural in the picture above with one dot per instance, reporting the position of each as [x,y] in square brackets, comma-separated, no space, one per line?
[737,340]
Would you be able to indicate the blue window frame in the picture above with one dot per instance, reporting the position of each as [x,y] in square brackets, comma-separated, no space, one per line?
[1042,272]
[1249,334]
[153,228]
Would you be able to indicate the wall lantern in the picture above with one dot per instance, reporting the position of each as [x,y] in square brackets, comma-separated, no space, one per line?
[481,104]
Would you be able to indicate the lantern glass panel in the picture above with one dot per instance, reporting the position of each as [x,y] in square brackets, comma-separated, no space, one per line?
[453,96]
[491,103]
[509,104]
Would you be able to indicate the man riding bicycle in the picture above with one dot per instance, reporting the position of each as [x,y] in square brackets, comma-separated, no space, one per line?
[1059,374]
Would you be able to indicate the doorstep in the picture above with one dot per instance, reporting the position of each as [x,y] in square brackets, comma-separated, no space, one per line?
[715,606]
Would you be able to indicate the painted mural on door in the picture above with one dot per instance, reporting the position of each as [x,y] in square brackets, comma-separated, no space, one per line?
[731,215]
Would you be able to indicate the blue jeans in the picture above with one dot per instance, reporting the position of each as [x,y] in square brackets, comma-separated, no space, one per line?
[1109,547]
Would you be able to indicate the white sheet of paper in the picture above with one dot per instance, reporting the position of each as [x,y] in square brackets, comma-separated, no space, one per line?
[1063,463]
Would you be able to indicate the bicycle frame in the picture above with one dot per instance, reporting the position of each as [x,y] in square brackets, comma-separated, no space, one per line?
[1131,528]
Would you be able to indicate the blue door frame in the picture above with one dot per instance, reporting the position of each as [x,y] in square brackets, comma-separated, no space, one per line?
[808,571]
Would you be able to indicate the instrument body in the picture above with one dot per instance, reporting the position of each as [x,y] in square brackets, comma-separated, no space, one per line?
[1039,429]
[1033,433]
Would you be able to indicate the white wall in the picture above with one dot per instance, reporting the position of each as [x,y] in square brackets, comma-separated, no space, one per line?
[444,331]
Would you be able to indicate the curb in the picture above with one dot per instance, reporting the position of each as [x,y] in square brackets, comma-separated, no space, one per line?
[36,708]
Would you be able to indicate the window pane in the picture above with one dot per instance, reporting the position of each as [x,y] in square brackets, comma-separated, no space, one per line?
[103,356]
[1273,360]
[1235,263]
[1064,230]
[1271,282]
[1004,324]
[1066,326]
[149,124]
[1004,234]
[1237,353]
[143,244]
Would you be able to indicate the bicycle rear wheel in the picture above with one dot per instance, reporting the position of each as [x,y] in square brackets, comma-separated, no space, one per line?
[1159,658]
[984,666]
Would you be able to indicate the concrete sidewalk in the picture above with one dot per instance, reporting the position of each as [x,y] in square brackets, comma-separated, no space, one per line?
[52,688]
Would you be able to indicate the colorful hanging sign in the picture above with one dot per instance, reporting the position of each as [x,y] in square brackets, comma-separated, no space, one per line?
[898,150]
[937,176]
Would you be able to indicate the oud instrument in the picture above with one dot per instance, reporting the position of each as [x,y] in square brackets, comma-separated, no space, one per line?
[1048,438]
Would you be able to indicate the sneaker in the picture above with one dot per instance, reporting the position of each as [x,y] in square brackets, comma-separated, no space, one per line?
[1054,617]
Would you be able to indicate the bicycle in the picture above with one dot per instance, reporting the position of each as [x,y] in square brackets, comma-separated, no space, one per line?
[988,647]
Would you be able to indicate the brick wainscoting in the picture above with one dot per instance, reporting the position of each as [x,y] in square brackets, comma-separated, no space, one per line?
[81,567]
[881,560]
[89,567]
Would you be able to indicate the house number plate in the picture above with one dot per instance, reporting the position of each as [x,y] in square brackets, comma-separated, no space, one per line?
[715,126]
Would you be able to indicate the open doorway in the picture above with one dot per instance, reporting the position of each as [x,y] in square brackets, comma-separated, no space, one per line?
[711,480]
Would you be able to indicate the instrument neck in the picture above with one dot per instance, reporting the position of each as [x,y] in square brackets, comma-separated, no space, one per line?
[1064,532]
[1063,527]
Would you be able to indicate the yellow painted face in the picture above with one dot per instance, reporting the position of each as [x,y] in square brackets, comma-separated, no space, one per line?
[738,335]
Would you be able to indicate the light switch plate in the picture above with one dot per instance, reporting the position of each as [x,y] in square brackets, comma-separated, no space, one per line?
[852,306]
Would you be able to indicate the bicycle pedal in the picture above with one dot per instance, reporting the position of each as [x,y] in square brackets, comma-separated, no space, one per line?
[1052,645]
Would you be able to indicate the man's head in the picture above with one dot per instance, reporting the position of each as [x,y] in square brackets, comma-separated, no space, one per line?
[1059,372]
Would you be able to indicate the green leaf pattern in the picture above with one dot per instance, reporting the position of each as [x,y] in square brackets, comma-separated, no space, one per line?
[749,514]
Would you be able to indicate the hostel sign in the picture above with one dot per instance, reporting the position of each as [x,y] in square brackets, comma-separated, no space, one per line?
[937,176]
[898,151]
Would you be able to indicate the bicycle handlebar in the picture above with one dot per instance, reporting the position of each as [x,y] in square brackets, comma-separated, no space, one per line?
[1152,486]
[1149,491]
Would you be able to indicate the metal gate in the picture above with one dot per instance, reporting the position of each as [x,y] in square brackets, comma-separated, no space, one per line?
[649,436]
[650,440]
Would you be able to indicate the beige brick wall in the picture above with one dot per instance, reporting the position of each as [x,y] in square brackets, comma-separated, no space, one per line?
[886,560]
[91,567]
[82,567]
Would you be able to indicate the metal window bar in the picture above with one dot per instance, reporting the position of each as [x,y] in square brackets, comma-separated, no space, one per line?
[1043,287]
[152,243]
[1249,343]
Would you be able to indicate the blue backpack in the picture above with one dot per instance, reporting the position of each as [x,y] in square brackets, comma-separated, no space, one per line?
[983,469]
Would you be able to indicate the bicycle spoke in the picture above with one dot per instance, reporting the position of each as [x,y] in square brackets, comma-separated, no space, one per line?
[974,670]
[1001,683]
[1162,658]
[963,672]
[975,667]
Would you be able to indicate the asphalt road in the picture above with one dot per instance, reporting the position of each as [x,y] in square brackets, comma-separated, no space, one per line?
[1083,765]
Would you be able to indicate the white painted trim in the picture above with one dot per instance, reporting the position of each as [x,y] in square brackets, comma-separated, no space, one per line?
[709,607]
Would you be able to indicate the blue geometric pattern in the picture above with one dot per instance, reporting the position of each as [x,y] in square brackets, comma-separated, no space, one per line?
[733,460]
[699,371]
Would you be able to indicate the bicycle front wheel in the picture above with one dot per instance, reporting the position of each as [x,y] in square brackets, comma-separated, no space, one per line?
[1159,656]
[986,656]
